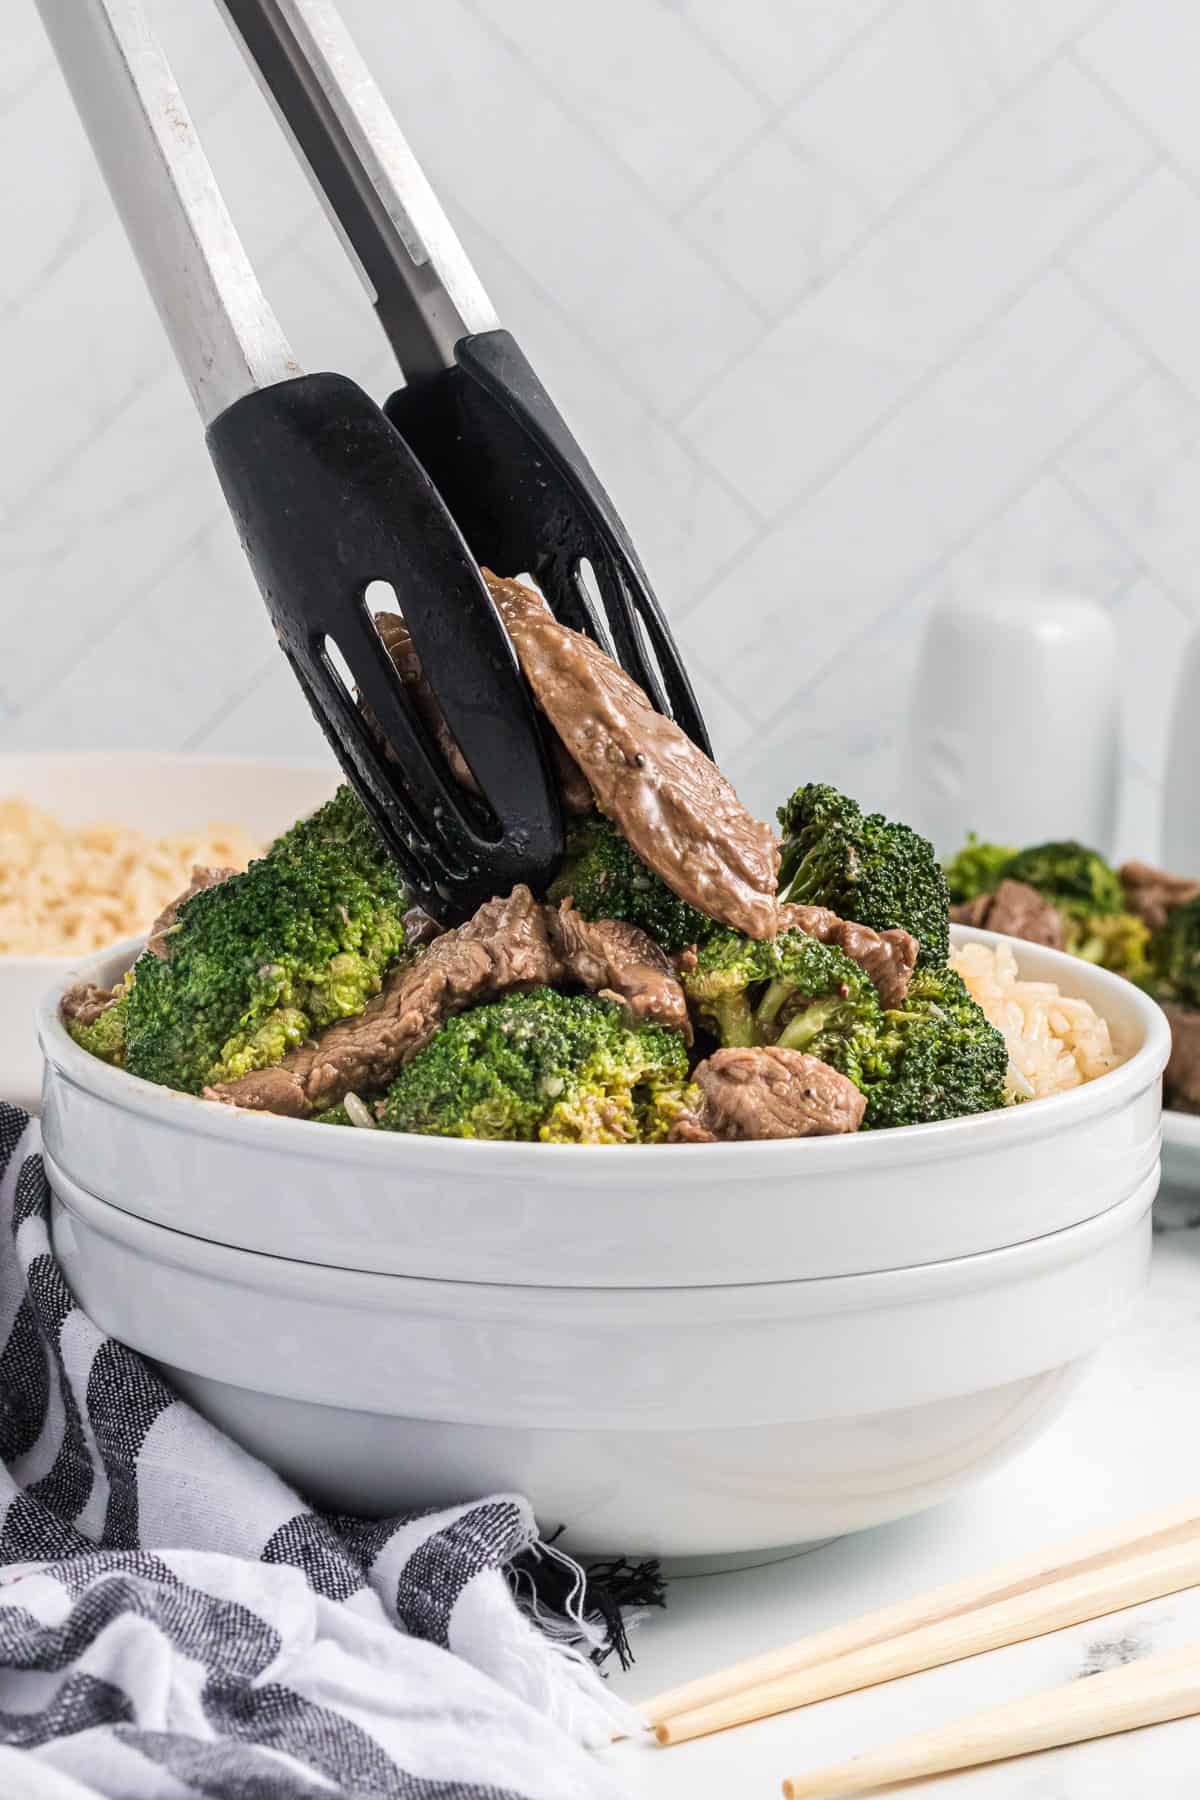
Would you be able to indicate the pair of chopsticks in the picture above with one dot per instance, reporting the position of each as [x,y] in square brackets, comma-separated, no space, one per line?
[1084,1579]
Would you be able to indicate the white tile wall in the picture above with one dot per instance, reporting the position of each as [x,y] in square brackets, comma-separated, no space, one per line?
[855,304]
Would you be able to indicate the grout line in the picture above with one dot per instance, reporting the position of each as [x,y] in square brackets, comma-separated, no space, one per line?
[1132,117]
[1091,296]
[87,642]
[612,362]
[933,570]
[1047,269]
[1147,570]
[636,179]
[1012,97]
[824,70]
[197,737]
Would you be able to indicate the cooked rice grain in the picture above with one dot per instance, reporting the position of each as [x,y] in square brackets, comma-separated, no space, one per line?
[66,890]
[1054,1042]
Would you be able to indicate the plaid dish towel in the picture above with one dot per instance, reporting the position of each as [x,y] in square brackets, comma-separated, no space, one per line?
[174,1621]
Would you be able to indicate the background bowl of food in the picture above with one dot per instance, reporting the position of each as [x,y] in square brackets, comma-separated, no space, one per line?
[1140,921]
[93,844]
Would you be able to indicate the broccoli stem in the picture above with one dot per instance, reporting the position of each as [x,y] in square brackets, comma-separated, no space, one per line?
[804,1027]
[734,1020]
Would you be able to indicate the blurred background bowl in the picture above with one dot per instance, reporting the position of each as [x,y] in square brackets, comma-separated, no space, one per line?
[156,793]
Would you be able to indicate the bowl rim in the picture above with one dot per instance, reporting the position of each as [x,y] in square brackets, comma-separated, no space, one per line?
[1002,1128]
[663,1304]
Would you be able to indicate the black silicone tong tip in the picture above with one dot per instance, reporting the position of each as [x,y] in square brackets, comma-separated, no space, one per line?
[528,502]
[328,498]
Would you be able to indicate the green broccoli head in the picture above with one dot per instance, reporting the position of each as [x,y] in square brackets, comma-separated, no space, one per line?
[1116,941]
[938,1058]
[267,958]
[608,880]
[1175,956]
[104,1036]
[978,868]
[557,1068]
[794,991]
[1075,879]
[863,867]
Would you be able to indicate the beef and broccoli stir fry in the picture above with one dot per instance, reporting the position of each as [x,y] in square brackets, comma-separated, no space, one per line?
[688,977]
[1139,921]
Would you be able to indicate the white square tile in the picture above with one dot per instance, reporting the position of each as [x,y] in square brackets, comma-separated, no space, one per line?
[168,665]
[1046,539]
[27,52]
[792,408]
[663,102]
[75,556]
[923,484]
[267,717]
[1148,51]
[683,520]
[780,45]
[504,151]
[45,218]
[1138,465]
[1143,261]
[73,356]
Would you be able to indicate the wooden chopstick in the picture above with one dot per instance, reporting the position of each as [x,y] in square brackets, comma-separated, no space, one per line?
[1104,1588]
[1041,1566]
[1143,1693]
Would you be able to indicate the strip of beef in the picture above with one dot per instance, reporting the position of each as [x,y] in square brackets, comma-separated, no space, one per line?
[619,962]
[84,1003]
[508,946]
[672,804]
[504,947]
[1182,1079]
[889,957]
[397,641]
[1151,893]
[163,926]
[769,1093]
[1019,911]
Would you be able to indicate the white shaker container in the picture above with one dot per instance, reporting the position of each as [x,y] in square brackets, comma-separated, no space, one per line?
[1014,722]
[1181,786]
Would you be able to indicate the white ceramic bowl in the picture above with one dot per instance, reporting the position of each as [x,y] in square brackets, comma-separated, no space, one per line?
[678,1421]
[691,1350]
[640,1216]
[156,793]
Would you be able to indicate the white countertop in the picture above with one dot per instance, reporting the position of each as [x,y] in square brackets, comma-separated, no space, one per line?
[1128,1442]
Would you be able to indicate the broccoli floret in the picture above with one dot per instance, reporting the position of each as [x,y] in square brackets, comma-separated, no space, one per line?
[795,991]
[863,867]
[939,1057]
[104,1037]
[1116,941]
[268,957]
[608,880]
[1175,956]
[1075,879]
[978,868]
[559,1068]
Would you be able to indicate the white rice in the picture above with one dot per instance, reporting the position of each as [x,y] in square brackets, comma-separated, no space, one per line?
[1054,1042]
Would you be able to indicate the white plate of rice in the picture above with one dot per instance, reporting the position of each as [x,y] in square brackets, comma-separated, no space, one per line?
[93,844]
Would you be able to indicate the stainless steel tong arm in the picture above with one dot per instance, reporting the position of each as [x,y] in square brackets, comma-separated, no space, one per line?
[423,287]
[226,337]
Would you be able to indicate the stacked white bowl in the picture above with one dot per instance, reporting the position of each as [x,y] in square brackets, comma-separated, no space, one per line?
[684,1350]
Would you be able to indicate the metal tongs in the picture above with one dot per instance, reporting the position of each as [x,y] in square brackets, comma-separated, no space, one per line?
[469,463]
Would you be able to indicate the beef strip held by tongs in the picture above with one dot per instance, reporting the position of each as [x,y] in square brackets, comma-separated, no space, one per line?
[469,462]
